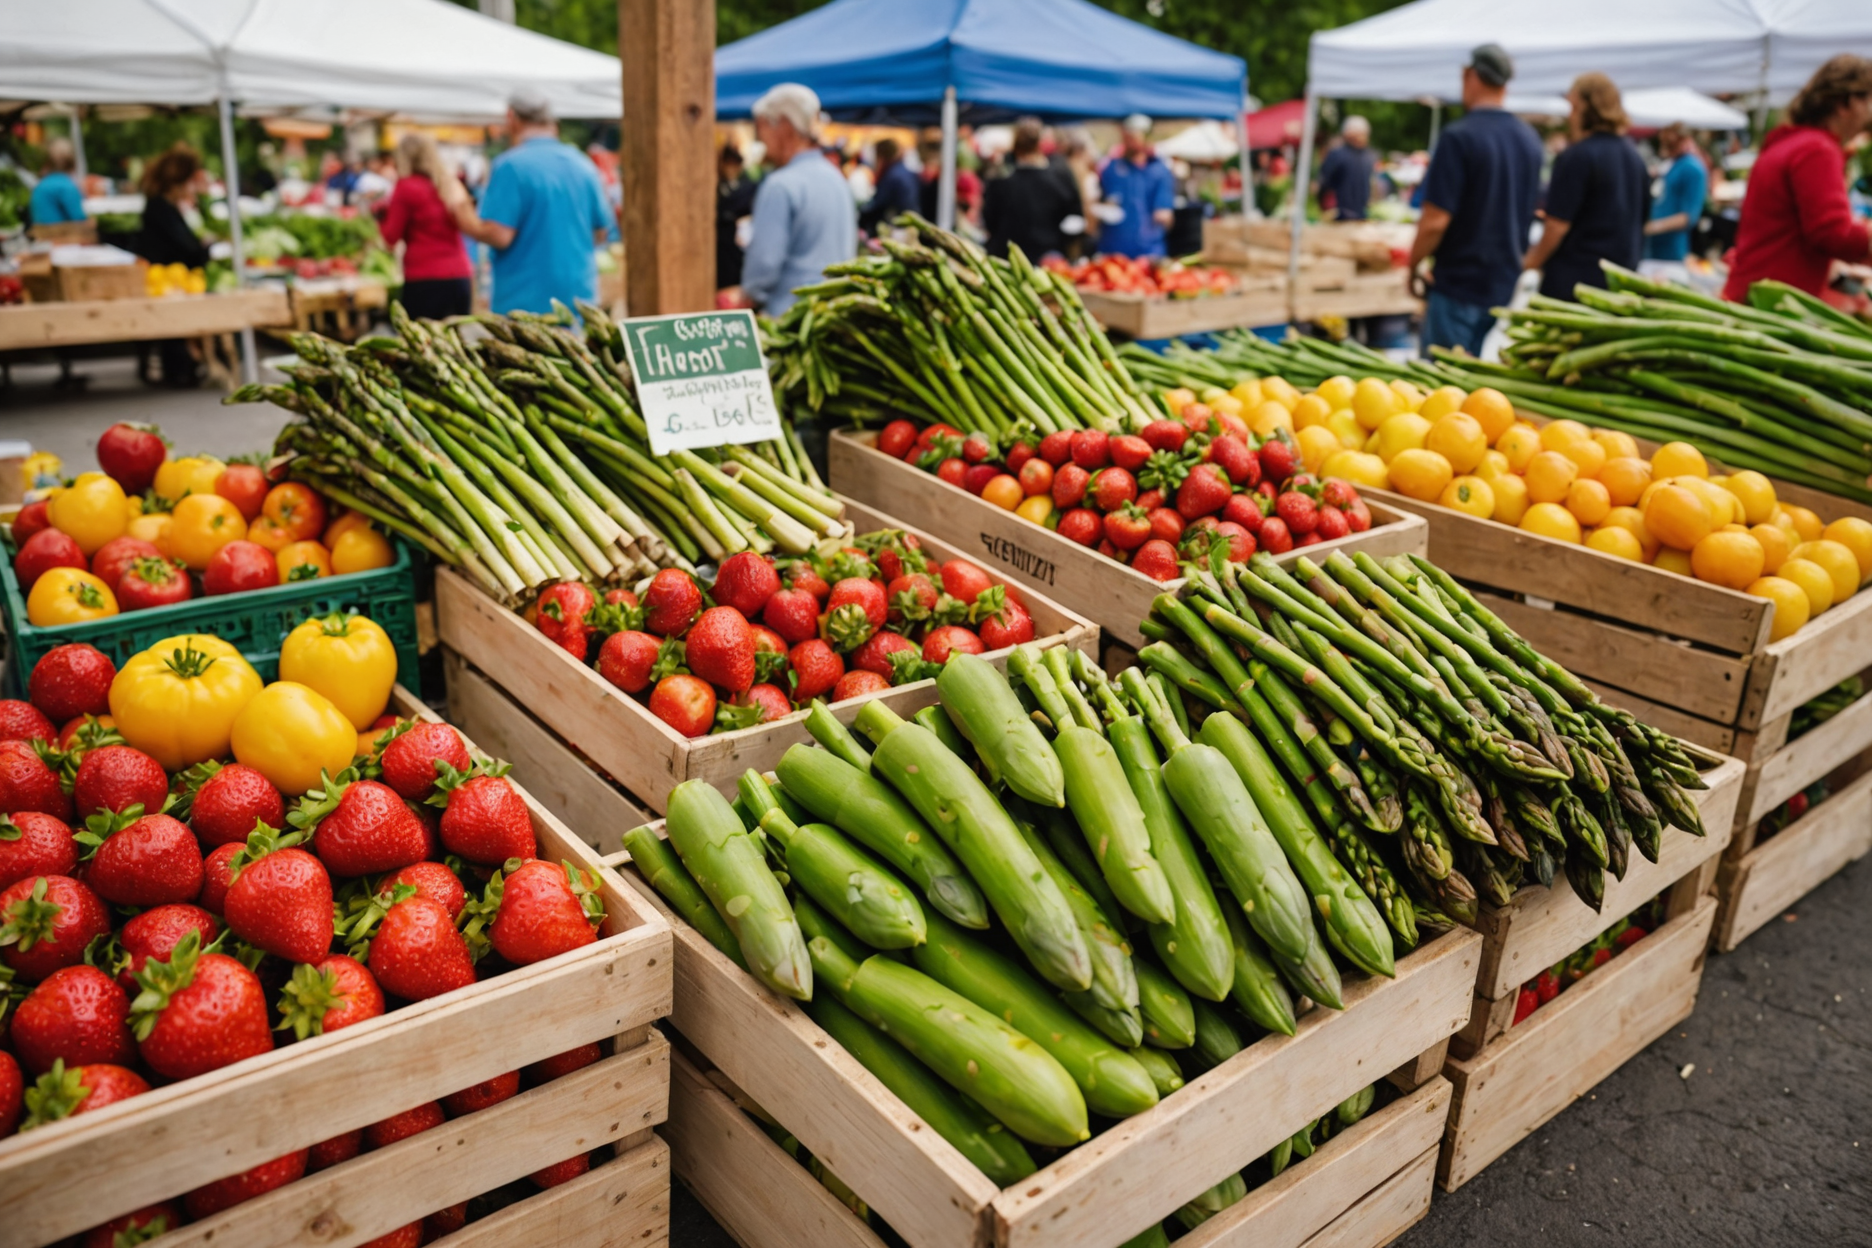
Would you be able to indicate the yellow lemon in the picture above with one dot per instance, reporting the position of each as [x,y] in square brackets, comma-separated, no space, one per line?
[1279,390]
[1371,444]
[1805,522]
[1755,492]
[1344,425]
[1337,391]
[1551,520]
[1035,507]
[1855,535]
[1442,401]
[1672,560]
[1679,459]
[1549,475]
[1632,521]
[1511,498]
[1469,495]
[1178,399]
[1775,546]
[1791,608]
[1458,438]
[1588,501]
[1491,410]
[1420,474]
[1558,433]
[1404,432]
[1729,559]
[1678,517]
[1373,402]
[1310,410]
[1588,454]
[1316,443]
[1617,445]
[1269,417]
[1612,540]
[1724,507]
[1520,444]
[1358,467]
[1811,577]
[1223,401]
[1625,478]
[1838,562]
[1494,464]
[1248,390]
[1410,396]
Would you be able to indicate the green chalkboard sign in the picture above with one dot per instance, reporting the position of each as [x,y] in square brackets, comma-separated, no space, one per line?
[702,379]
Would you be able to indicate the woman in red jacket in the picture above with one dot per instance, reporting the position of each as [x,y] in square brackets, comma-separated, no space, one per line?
[436,273]
[1796,219]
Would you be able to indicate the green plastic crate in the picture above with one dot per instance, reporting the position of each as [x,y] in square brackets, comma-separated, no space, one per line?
[255,622]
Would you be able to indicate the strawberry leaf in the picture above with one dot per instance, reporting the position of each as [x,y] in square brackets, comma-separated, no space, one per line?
[308,996]
[732,718]
[768,666]
[159,981]
[908,666]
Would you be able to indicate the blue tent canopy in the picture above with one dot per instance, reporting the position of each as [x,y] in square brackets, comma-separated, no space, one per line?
[1056,58]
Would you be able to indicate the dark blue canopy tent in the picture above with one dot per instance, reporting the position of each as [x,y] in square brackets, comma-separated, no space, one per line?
[914,60]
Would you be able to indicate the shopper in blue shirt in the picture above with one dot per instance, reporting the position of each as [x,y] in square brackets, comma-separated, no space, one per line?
[1139,186]
[543,213]
[1478,204]
[899,190]
[1346,173]
[804,218]
[1686,185]
[57,197]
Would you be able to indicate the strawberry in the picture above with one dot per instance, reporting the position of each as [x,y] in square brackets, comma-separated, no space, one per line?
[1069,485]
[1245,510]
[141,860]
[1110,551]
[564,608]
[1198,416]
[434,881]
[745,582]
[46,922]
[1275,537]
[1241,542]
[12,1094]
[44,551]
[1332,524]
[1166,525]
[1203,492]
[896,438]
[481,1095]
[857,683]
[1012,627]
[212,1198]
[22,721]
[198,1012]
[134,1228]
[218,876]
[1056,448]
[794,614]
[1338,492]
[816,668]
[484,818]
[360,827]
[410,760]
[230,801]
[949,639]
[1149,500]
[444,1222]
[1299,511]
[35,844]
[1277,460]
[933,434]
[770,650]
[874,655]
[977,448]
[1082,525]
[1233,457]
[1091,448]
[565,1063]
[671,602]
[1113,488]
[720,649]
[130,453]
[328,993]
[65,1091]
[116,777]
[1156,559]
[802,576]
[977,476]
[868,595]
[416,953]
[628,659]
[85,733]
[770,700]
[912,597]
[1019,454]
[28,783]
[340,1148]
[685,703]
[155,933]
[539,910]
[1358,516]
[281,898]
[77,1014]
[1127,527]
[561,1171]
[1129,451]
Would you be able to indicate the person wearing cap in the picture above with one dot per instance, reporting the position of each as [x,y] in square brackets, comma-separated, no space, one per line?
[1678,208]
[543,213]
[1597,197]
[1478,205]
[804,217]
[1346,173]
[1139,195]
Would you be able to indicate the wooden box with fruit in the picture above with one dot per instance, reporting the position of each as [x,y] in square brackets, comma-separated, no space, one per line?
[246,925]
[1157,298]
[1102,522]
[677,687]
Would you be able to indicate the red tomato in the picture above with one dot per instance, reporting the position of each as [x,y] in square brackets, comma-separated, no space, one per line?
[240,566]
[297,509]
[152,583]
[245,486]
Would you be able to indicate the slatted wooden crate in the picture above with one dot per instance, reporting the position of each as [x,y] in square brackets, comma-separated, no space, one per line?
[68,1176]
[620,735]
[1102,590]
[1261,299]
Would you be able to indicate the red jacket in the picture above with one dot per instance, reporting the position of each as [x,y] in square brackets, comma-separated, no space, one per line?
[432,245]
[1796,219]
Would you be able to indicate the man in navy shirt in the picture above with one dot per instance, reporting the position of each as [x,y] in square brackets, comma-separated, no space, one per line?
[1346,173]
[1478,206]
[898,189]
[1141,187]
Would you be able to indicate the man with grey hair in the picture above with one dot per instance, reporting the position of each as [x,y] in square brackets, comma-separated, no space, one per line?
[543,213]
[1346,173]
[804,218]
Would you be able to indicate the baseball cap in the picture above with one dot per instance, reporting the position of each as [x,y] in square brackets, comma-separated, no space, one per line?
[1137,123]
[1492,64]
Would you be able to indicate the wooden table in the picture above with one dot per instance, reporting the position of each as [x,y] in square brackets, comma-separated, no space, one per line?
[36,325]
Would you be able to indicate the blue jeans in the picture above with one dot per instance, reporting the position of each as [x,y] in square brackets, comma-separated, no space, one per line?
[1449,323]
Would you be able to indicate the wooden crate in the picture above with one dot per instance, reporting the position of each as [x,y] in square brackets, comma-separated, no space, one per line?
[70,1175]
[621,736]
[1384,293]
[623,1203]
[1359,1190]
[1764,880]
[1102,590]
[1261,299]
[80,283]
[1519,1082]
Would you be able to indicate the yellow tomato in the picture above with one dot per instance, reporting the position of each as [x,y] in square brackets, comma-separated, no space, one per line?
[1345,426]
[1756,494]
[1558,433]
[1248,392]
[1520,444]
[1613,540]
[1551,520]
[1410,396]
[1672,560]
[1337,391]
[1494,465]
[1036,508]
[1442,401]
[1855,535]
[1492,410]
[1679,459]
[348,658]
[1403,432]
[1358,467]
[1279,390]
[91,512]
[302,561]
[1373,402]
[192,474]
[1838,562]
[263,532]
[1511,498]
[1617,445]
[68,596]
[177,700]
[1178,399]
[1469,495]
[1310,410]
[362,549]
[1270,416]
[1420,474]
[1003,491]
[1317,444]
[1549,476]
[1812,578]
[1588,454]
[153,528]
[1588,501]
[1805,522]
[1632,521]
[345,522]
[1625,478]
[1775,546]
[133,507]
[1730,559]
[1791,608]
[1458,438]
[203,524]
[1677,517]
[291,734]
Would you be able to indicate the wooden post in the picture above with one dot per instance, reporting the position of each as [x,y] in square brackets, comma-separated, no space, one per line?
[667,50]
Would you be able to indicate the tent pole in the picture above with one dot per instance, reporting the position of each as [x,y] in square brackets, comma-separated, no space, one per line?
[250,368]
[1436,122]
[77,140]
[1303,174]
[1247,173]
[946,185]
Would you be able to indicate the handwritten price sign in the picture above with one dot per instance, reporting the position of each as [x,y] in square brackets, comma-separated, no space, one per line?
[701,379]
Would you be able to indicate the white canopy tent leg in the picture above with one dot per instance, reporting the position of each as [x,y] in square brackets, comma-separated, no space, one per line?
[250,368]
[946,184]
[1248,208]
[77,141]
[1303,175]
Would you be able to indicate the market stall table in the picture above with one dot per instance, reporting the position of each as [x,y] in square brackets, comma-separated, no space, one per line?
[32,326]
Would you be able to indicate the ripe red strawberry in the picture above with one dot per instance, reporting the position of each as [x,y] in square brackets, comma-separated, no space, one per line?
[327,994]
[1166,525]
[949,639]
[802,576]
[1056,448]
[1241,542]
[198,1012]
[1277,460]
[1204,492]
[1091,448]
[1128,527]
[1113,488]
[912,597]
[481,1095]
[1338,492]
[771,700]
[1069,485]
[35,844]
[212,1198]
[484,818]
[46,922]
[434,881]
[1275,537]
[361,827]
[22,721]
[1018,454]
[134,1228]
[1082,525]
[977,447]
[28,783]
[720,649]
[1358,516]
[856,683]
[1299,511]
[671,602]
[416,953]
[626,659]
[1233,457]
[444,1222]
[12,1094]
[816,668]
[565,1063]
[44,551]
[770,651]
[874,655]
[563,610]
[1156,559]
[1110,551]
[965,581]
[1011,626]
[409,761]
[562,1171]
[870,595]
[745,582]
[64,1091]
[218,876]
[1129,451]
[141,860]
[116,777]
[340,1148]
[281,898]
[1332,524]
[1150,500]
[77,1014]
[686,703]
[230,802]
[155,933]
[896,438]
[130,453]
[1243,509]
[1166,435]
[794,614]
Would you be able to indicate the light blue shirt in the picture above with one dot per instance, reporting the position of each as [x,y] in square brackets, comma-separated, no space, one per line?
[804,219]
[55,199]
[549,195]
[1686,185]
[1141,191]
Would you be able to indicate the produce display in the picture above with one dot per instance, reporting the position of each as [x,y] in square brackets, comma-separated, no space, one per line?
[198,869]
[850,617]
[306,245]
[1154,277]
[162,280]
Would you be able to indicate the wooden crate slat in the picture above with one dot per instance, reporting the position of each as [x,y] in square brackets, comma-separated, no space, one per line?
[1388,1212]
[1137,316]
[30,325]
[1823,653]
[1795,861]
[1810,757]
[1518,1083]
[624,1203]
[1290,1208]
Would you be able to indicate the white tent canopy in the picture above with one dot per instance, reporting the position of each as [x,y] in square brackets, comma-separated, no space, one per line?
[1648,107]
[1206,142]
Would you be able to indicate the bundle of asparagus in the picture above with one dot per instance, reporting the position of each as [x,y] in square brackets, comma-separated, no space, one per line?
[512,448]
[1397,703]
[937,330]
